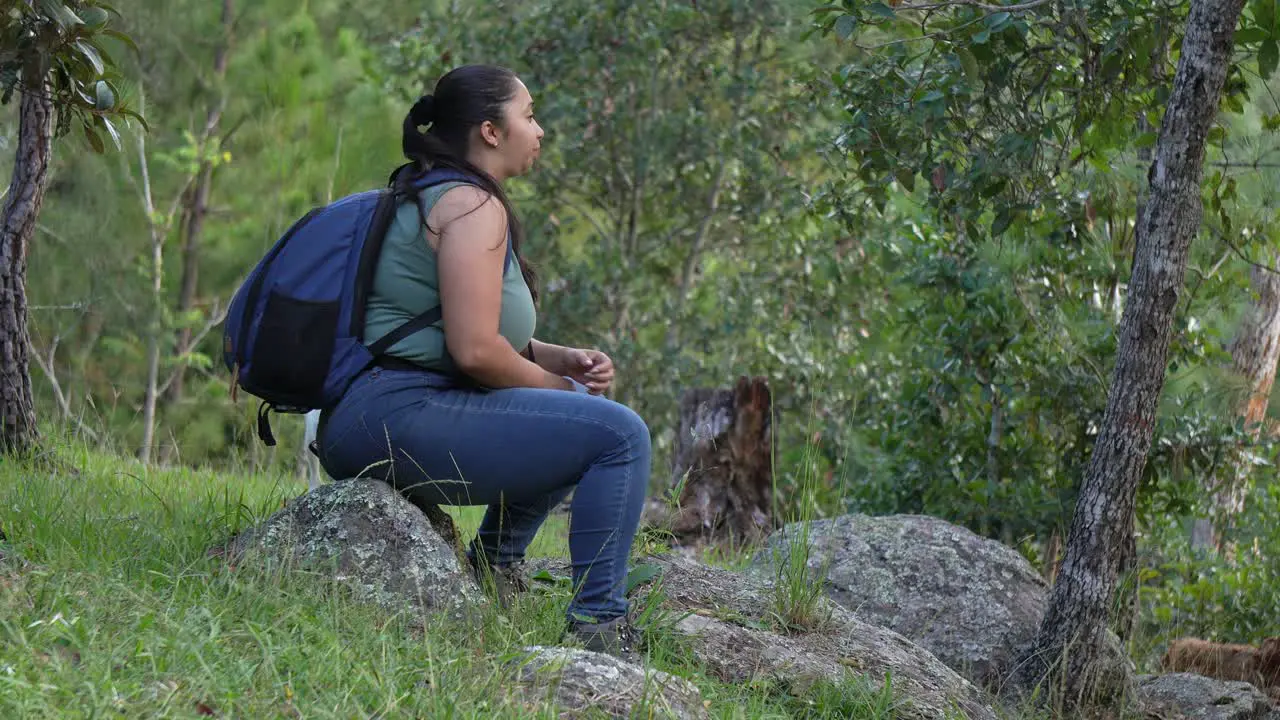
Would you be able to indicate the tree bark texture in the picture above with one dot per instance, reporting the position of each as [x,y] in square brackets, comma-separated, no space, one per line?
[1071,644]
[723,473]
[1256,347]
[22,207]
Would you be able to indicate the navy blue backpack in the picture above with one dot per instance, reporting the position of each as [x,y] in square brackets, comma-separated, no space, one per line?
[293,333]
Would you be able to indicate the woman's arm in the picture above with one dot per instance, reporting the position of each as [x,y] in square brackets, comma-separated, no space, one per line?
[552,358]
[471,252]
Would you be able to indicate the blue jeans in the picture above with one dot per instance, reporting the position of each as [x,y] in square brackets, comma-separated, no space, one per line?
[520,451]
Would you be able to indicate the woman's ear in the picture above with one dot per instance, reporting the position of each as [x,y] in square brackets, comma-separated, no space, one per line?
[491,134]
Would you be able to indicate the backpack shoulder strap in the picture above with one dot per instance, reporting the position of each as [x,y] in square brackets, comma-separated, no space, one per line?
[432,316]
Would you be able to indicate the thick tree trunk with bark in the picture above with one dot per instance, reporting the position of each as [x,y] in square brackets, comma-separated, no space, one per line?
[723,472]
[1071,645]
[17,226]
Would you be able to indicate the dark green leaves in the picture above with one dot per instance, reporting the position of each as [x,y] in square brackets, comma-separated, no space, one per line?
[998,21]
[91,54]
[969,63]
[1251,35]
[1268,58]
[879,9]
[1264,15]
[60,44]
[845,25]
[1004,218]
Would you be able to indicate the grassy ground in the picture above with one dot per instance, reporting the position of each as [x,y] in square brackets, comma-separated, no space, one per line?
[119,612]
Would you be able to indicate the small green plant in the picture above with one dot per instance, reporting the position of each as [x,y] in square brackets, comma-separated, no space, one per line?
[799,588]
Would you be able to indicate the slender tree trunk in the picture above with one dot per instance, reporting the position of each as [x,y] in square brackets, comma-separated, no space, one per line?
[1256,347]
[198,203]
[1071,646]
[155,325]
[30,178]
[1254,353]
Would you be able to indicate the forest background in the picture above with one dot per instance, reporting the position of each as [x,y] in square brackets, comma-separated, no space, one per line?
[929,270]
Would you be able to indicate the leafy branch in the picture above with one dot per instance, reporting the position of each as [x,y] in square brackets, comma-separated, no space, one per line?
[930,7]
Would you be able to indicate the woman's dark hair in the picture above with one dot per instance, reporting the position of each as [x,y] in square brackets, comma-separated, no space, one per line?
[463,99]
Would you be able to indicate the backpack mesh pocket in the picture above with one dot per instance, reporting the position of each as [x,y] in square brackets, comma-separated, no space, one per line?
[294,345]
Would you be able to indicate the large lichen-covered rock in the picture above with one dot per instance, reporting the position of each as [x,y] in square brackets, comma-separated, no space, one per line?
[1179,696]
[372,539]
[972,602]
[583,684]
[728,620]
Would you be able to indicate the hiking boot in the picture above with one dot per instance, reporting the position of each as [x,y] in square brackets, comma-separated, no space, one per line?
[507,580]
[616,637]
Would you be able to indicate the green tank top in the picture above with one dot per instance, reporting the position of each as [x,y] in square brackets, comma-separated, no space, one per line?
[406,284]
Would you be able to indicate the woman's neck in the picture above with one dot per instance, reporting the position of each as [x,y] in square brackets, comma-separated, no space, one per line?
[490,163]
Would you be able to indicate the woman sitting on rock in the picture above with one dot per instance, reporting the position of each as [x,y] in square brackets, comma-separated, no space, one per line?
[454,414]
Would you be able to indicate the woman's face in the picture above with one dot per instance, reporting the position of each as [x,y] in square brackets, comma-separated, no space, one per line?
[523,140]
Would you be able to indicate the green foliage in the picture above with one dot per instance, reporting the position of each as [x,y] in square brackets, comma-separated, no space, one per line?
[63,49]
[918,226]
[983,403]
[304,121]
[1189,593]
[990,109]
[998,151]
[719,195]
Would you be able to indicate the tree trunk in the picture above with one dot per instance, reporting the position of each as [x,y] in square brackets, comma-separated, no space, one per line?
[1256,347]
[723,474]
[1254,353]
[1071,644]
[156,323]
[197,206]
[18,430]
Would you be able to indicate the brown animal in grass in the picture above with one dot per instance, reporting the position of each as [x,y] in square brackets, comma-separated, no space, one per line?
[1226,661]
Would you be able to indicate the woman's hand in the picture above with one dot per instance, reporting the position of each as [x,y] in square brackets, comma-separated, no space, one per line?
[592,368]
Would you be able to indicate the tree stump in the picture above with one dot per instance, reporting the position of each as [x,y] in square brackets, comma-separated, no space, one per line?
[722,479]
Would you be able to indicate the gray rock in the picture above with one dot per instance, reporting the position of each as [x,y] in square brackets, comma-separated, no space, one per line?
[374,541]
[972,602]
[728,620]
[1176,696]
[579,683]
